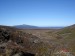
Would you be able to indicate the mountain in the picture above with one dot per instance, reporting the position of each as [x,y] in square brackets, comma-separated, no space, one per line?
[24,26]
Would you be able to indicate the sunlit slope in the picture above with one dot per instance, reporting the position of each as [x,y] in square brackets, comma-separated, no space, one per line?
[68,37]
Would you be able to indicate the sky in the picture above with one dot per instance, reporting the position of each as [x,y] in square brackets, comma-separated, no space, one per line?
[37,12]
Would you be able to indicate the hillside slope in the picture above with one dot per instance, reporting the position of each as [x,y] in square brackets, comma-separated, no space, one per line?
[64,40]
[68,37]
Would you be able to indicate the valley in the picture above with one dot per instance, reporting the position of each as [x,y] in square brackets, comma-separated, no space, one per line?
[37,42]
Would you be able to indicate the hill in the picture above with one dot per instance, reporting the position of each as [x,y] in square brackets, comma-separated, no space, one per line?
[68,37]
[64,39]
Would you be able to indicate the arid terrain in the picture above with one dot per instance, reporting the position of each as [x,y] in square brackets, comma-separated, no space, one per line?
[37,42]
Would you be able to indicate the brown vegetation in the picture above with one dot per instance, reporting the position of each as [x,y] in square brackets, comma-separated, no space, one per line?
[36,42]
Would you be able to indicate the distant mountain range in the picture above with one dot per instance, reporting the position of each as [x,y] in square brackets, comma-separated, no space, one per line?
[24,26]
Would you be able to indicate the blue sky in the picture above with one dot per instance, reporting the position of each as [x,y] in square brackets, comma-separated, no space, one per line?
[37,12]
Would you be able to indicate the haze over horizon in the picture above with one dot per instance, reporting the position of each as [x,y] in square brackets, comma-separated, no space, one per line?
[37,12]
